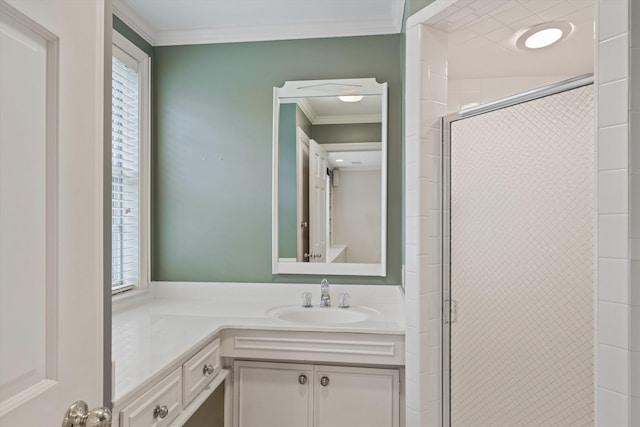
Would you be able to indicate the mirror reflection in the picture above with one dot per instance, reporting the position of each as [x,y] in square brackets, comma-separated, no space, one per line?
[331,204]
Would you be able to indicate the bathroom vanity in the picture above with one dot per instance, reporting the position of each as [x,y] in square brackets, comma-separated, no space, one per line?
[281,364]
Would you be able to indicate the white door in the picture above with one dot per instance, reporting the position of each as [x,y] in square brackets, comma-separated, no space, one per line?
[52,68]
[317,202]
[273,394]
[356,397]
[302,194]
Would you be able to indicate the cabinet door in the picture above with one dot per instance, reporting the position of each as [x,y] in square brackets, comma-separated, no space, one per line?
[273,394]
[356,397]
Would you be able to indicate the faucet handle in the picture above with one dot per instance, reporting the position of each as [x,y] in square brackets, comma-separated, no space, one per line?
[344,301]
[306,299]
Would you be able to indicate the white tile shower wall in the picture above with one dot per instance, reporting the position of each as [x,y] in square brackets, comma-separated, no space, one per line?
[616,75]
[426,98]
[616,151]
[468,92]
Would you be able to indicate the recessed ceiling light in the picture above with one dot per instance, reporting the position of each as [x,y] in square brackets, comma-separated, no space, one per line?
[350,98]
[543,35]
[543,38]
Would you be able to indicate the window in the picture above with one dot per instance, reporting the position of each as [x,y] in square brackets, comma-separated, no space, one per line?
[129,166]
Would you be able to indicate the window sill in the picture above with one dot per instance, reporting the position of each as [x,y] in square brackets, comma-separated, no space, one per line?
[126,299]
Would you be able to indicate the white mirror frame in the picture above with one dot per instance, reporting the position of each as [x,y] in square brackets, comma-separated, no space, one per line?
[336,87]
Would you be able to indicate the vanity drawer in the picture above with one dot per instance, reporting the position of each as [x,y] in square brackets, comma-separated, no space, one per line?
[198,371]
[159,406]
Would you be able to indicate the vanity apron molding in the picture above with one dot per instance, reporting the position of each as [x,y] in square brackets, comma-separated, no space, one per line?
[333,347]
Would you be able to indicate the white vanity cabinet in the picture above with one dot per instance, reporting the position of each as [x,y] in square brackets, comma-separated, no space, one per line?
[287,394]
[172,350]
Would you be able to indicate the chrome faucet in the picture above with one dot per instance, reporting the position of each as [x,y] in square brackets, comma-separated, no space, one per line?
[325,298]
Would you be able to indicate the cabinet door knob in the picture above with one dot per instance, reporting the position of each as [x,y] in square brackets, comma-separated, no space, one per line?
[302,379]
[207,370]
[324,381]
[160,411]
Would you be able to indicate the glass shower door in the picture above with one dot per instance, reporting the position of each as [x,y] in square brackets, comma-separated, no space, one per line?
[521,254]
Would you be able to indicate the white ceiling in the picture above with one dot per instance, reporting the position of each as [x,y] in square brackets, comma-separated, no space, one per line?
[330,110]
[354,160]
[173,22]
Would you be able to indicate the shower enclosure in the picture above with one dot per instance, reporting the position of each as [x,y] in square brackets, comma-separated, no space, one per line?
[518,258]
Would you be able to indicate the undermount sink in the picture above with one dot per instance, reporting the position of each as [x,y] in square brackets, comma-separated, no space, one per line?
[321,315]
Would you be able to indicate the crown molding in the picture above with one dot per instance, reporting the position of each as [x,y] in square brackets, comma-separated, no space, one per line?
[282,32]
[307,109]
[397,10]
[354,146]
[356,118]
[129,17]
[235,34]
[316,119]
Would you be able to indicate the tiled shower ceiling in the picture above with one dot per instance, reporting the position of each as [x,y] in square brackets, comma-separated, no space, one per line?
[482,36]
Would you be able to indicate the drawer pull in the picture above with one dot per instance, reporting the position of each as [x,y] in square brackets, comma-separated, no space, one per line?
[324,381]
[302,379]
[207,370]
[160,411]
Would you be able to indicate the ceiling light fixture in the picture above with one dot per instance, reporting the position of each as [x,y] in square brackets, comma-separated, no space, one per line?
[543,35]
[543,38]
[350,98]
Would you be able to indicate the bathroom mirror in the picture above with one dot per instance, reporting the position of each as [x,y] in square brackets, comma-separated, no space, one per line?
[330,177]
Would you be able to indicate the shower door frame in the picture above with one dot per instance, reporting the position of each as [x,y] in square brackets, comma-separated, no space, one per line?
[446,121]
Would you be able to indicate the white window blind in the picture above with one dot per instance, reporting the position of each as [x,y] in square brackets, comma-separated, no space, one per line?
[125,167]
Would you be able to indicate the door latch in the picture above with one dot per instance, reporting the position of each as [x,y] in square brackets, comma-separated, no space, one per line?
[449,311]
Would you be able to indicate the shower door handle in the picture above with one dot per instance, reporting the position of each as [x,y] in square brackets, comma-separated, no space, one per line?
[454,311]
[450,311]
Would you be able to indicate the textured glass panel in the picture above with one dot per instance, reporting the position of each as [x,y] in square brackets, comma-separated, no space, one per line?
[522,250]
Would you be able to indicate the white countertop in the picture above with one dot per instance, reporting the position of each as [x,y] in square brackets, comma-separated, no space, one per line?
[160,327]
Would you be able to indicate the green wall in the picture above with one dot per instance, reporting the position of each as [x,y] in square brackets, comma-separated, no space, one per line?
[211,161]
[351,132]
[132,36]
[287,196]
[413,6]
